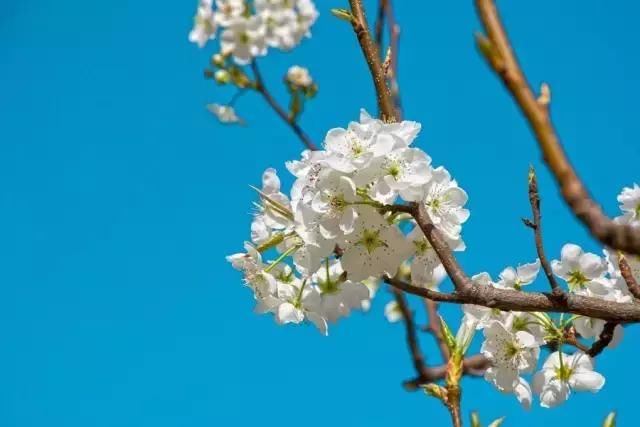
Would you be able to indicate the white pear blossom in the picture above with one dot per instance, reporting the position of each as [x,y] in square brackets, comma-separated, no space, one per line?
[590,328]
[224,113]
[204,24]
[444,202]
[580,270]
[510,354]
[392,312]
[228,10]
[286,21]
[401,172]
[562,373]
[516,278]
[339,295]
[629,200]
[244,38]
[374,248]
[333,202]
[426,269]
[299,76]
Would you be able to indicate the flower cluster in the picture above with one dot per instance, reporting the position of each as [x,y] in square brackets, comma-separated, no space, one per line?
[337,231]
[249,28]
[513,340]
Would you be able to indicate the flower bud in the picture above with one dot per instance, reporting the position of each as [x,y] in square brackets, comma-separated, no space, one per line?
[222,77]
[217,60]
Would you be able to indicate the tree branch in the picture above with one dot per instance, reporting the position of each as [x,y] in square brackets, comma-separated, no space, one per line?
[434,328]
[536,226]
[370,51]
[291,122]
[412,337]
[605,339]
[511,300]
[385,12]
[627,275]
[500,56]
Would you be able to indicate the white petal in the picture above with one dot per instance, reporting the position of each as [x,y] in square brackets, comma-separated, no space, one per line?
[586,380]
[523,393]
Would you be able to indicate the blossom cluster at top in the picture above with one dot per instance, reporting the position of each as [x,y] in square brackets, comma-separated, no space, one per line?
[250,27]
[334,229]
[334,235]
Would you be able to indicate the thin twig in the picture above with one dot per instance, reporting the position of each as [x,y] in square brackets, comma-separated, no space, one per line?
[412,337]
[434,327]
[379,26]
[291,122]
[627,275]
[604,340]
[497,50]
[370,51]
[536,226]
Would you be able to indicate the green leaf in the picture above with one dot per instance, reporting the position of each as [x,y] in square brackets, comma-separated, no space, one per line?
[435,390]
[449,339]
[343,14]
[497,423]
[610,421]
[475,420]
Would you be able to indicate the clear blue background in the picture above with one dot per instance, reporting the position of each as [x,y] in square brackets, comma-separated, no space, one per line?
[120,195]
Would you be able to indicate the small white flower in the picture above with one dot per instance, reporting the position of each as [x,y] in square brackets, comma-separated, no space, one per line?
[403,171]
[244,38]
[228,10]
[375,247]
[339,296]
[590,328]
[299,77]
[444,202]
[579,269]
[392,312]
[204,24]
[562,373]
[332,203]
[629,200]
[426,269]
[510,354]
[225,113]
[512,278]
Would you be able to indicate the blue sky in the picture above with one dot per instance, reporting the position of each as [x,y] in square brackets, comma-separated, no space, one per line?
[121,195]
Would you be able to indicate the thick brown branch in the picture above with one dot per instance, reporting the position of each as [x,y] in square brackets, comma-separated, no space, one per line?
[500,56]
[604,340]
[511,300]
[371,55]
[536,225]
[627,275]
[291,122]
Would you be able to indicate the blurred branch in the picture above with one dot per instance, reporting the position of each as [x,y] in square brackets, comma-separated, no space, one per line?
[627,275]
[496,49]
[290,121]
[385,13]
[370,51]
